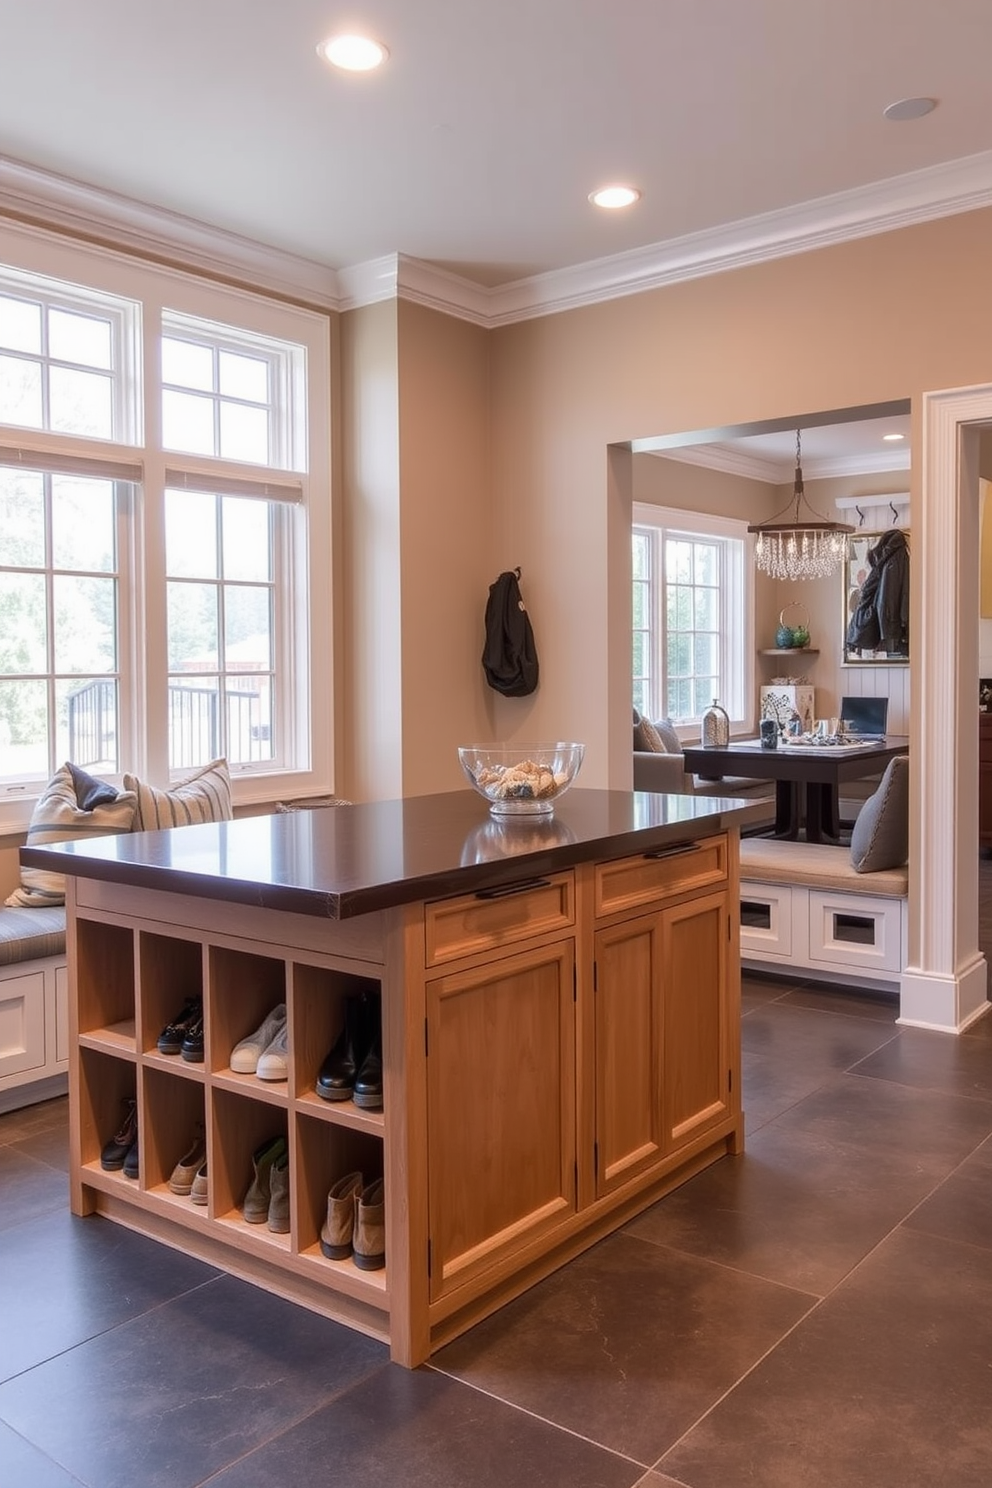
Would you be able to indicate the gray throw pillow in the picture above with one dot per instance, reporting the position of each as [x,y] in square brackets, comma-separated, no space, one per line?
[880,838]
[666,732]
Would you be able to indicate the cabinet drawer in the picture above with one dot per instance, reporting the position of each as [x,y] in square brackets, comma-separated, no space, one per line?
[856,930]
[22,1023]
[766,919]
[497,917]
[685,866]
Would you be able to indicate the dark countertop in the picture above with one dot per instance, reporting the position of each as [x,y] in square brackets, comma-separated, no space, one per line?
[342,861]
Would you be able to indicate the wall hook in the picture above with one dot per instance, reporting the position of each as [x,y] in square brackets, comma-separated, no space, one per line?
[861,515]
[895,514]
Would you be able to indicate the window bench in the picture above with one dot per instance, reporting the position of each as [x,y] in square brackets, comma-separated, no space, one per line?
[803,907]
[34,1023]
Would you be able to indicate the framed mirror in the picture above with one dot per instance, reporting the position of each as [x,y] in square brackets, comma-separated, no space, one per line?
[875,579]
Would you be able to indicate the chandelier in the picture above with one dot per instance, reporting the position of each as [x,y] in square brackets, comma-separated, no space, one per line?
[799,549]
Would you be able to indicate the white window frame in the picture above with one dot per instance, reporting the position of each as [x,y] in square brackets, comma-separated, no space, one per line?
[304,644]
[736,647]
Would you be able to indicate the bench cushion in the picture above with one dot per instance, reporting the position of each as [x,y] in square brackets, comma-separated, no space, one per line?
[28,934]
[767,860]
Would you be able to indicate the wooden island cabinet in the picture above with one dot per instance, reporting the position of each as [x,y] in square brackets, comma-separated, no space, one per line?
[560,1011]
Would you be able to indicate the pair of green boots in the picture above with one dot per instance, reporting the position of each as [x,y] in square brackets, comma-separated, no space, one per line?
[267,1199]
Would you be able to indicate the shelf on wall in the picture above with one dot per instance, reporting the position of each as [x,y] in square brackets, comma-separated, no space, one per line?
[788,651]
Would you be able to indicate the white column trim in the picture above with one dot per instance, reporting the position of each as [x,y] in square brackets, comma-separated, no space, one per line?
[944,984]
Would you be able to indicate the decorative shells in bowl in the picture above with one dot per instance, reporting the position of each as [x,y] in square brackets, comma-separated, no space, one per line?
[521,779]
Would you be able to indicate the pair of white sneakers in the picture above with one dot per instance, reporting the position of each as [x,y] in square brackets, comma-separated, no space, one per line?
[265,1052]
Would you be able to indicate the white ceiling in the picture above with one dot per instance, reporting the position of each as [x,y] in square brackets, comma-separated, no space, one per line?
[474,149]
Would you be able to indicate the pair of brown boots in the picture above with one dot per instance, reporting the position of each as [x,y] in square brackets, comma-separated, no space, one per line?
[356,1223]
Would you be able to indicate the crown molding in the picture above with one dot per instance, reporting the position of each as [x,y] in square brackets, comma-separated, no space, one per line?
[727,461]
[45,199]
[780,472]
[902,201]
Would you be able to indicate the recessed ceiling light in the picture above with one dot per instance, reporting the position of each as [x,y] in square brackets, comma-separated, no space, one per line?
[909,108]
[615,196]
[353,53]
[893,436]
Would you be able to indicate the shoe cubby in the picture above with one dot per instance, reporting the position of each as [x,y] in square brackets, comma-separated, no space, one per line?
[320,1000]
[106,1081]
[173,1110]
[105,981]
[242,989]
[170,971]
[327,1153]
[240,1127]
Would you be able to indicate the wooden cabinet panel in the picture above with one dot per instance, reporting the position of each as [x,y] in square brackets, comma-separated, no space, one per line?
[629,1136]
[696,1058]
[472,923]
[500,1109]
[628,883]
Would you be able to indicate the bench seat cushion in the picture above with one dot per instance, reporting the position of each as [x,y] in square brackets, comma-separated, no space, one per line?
[767,860]
[28,934]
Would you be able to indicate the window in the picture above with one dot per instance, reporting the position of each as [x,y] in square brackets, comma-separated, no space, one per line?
[691,616]
[163,501]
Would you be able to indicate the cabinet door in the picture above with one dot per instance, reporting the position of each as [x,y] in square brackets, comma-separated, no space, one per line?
[629,1131]
[696,1057]
[500,1110]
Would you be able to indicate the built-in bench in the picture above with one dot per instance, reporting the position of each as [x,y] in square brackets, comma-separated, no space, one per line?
[805,907]
[34,1020]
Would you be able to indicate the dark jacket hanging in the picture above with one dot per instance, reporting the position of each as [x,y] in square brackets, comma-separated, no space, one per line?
[510,656]
[880,621]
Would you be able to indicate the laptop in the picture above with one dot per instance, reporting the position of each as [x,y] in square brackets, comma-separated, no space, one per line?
[864,717]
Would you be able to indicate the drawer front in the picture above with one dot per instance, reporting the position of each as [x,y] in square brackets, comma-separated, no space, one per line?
[766,919]
[22,1023]
[855,930]
[473,923]
[649,877]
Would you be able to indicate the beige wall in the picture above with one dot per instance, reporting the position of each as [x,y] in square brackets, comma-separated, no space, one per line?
[446,529]
[889,317]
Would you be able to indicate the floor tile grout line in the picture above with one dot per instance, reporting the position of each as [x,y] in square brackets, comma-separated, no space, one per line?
[978,1100]
[106,1332]
[659,1465]
[73,1477]
[535,1416]
[331,1399]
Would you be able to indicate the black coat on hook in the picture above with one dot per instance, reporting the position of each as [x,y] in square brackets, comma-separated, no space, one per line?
[510,655]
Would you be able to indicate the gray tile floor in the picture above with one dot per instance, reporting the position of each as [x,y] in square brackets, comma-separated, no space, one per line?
[817,1312]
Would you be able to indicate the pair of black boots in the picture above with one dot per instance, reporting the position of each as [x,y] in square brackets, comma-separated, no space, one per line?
[353,1069]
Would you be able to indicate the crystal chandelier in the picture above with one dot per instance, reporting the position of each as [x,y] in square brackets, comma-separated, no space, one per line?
[798,549]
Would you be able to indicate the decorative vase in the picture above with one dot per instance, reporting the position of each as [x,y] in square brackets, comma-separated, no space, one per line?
[716,727]
[793,637]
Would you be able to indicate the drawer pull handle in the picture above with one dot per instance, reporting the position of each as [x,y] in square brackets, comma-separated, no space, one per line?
[674,852]
[515,888]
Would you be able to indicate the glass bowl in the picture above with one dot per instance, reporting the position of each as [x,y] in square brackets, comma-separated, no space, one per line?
[521,779]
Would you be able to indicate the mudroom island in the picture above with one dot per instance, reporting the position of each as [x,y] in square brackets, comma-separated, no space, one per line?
[560,1017]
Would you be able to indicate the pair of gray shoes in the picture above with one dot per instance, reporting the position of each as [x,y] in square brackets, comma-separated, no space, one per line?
[356,1223]
[267,1199]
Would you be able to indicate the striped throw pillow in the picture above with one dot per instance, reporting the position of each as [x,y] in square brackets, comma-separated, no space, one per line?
[73,805]
[203,797]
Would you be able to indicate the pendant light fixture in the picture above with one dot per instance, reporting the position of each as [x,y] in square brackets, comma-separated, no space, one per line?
[800,548]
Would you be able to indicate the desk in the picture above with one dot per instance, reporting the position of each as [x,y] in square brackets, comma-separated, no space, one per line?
[807,777]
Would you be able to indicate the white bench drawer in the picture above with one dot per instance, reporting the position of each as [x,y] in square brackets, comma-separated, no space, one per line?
[22,1023]
[855,931]
[766,919]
